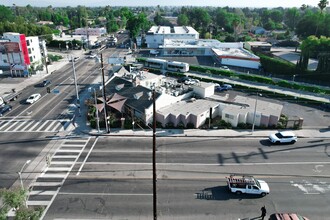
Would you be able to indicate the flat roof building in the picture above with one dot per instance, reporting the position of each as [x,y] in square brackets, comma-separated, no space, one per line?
[157,35]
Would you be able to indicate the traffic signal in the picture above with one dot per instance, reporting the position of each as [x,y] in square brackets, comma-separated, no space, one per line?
[48,90]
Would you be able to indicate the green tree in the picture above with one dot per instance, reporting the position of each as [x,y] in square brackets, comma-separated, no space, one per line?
[183,20]
[138,23]
[308,47]
[322,5]
[5,14]
[276,16]
[291,17]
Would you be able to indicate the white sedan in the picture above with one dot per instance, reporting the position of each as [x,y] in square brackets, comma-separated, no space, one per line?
[283,137]
[33,98]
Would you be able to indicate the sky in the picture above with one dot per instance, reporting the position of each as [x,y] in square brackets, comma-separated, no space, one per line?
[216,3]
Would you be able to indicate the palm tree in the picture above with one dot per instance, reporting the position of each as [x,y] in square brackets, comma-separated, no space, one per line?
[303,7]
[323,4]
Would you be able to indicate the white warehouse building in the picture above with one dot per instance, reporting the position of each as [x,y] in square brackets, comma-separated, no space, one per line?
[157,34]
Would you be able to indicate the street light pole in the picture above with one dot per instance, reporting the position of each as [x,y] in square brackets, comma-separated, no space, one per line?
[75,83]
[20,177]
[255,112]
[20,173]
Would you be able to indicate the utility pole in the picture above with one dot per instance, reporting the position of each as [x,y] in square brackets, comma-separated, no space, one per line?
[107,126]
[255,112]
[154,176]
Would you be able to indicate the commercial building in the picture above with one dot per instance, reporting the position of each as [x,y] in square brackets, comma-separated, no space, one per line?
[184,41]
[157,35]
[19,53]
[186,105]
[90,31]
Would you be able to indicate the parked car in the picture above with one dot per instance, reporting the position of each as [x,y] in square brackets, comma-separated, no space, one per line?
[45,83]
[191,81]
[33,98]
[286,216]
[224,87]
[183,79]
[4,109]
[225,68]
[283,137]
[154,52]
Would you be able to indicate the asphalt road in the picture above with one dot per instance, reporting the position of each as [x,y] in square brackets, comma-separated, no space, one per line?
[24,131]
[112,179]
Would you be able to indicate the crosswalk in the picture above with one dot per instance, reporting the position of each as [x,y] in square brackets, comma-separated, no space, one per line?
[47,185]
[28,125]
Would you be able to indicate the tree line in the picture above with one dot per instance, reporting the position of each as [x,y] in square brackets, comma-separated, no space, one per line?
[221,23]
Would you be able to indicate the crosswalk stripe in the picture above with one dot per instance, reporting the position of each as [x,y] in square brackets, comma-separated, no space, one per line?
[58,169]
[42,193]
[46,183]
[68,151]
[29,125]
[2,123]
[20,125]
[31,129]
[64,156]
[10,126]
[51,125]
[62,162]
[44,175]
[37,203]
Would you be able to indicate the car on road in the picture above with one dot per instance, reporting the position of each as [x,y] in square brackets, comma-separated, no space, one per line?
[92,56]
[4,109]
[33,98]
[45,83]
[224,87]
[154,52]
[283,137]
[225,68]
[286,216]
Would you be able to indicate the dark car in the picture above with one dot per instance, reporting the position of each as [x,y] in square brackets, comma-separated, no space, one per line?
[224,87]
[45,83]
[4,109]
[183,79]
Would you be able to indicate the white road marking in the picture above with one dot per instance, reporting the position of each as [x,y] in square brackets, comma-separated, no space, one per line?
[107,194]
[90,151]
[208,164]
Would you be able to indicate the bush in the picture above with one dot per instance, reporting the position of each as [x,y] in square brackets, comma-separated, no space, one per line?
[190,125]
[243,126]
[180,125]
[93,123]
[169,125]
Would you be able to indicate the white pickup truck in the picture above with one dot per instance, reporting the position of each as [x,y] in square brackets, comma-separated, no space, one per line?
[247,184]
